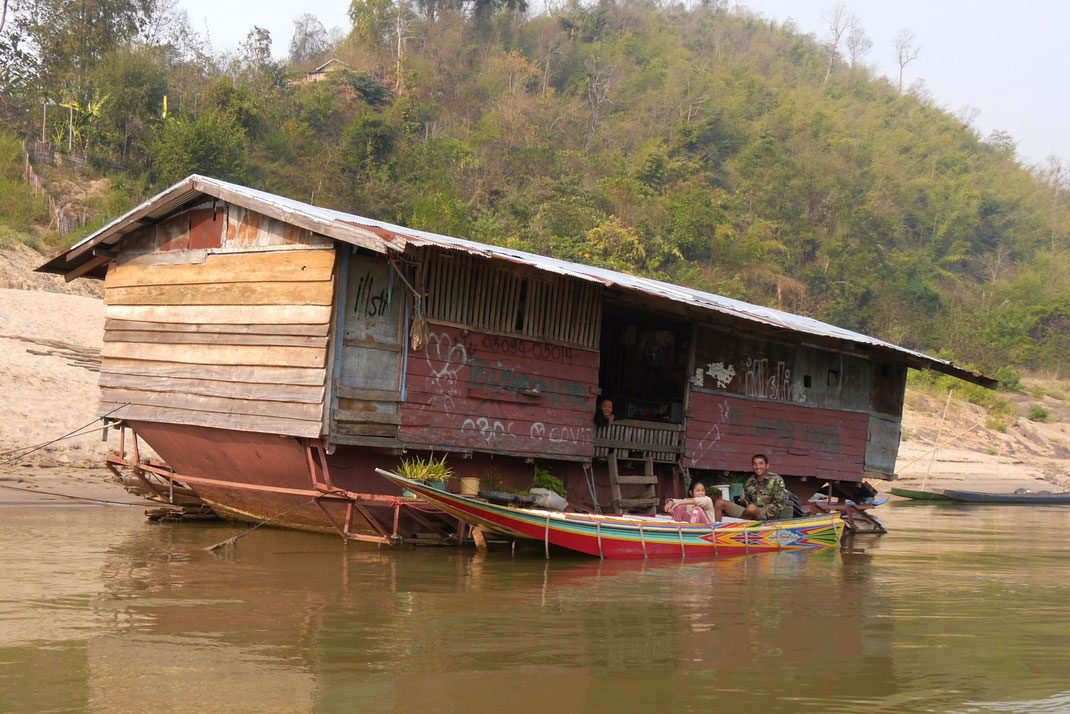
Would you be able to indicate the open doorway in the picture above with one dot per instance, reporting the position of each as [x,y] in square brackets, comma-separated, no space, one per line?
[644,361]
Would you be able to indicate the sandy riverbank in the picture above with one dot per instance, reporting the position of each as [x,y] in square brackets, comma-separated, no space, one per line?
[49,352]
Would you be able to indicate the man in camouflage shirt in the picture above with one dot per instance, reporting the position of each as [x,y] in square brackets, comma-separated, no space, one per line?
[765,494]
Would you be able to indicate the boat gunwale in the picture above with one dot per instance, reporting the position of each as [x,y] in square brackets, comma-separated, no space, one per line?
[612,522]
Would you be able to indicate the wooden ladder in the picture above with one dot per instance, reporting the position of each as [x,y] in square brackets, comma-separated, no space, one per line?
[648,502]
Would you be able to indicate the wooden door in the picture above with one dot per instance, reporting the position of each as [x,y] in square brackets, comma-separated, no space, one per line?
[368,387]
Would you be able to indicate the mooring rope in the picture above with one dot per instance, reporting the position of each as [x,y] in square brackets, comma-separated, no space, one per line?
[546,536]
[68,435]
[76,498]
[233,542]
[88,428]
[588,475]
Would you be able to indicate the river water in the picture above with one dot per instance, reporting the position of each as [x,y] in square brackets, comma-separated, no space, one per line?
[961,609]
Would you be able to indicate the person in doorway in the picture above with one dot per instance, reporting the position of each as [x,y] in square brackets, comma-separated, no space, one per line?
[604,415]
[765,494]
[696,509]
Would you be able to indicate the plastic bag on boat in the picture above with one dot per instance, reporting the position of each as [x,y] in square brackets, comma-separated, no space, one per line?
[545,498]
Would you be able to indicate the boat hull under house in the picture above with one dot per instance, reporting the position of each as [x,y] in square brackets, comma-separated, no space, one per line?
[267,349]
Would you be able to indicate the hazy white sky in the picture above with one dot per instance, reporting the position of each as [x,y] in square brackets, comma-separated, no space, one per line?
[1010,61]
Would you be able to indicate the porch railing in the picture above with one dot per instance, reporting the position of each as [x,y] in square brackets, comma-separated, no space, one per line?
[656,440]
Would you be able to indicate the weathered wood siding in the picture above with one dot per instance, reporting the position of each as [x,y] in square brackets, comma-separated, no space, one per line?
[368,384]
[474,390]
[200,330]
[475,293]
[809,409]
[885,423]
[723,432]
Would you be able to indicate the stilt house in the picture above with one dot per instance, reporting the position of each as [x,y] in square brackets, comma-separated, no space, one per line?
[266,349]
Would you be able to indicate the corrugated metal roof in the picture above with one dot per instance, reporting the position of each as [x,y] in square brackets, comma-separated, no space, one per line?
[384,237]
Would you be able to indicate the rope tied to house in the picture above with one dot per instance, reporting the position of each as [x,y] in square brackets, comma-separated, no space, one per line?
[419,334]
[87,428]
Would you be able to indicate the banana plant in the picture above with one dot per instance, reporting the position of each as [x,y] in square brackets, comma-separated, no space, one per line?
[81,119]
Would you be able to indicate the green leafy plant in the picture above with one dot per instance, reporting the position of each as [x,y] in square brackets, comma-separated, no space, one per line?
[545,479]
[419,469]
[1010,380]
[997,423]
[1037,413]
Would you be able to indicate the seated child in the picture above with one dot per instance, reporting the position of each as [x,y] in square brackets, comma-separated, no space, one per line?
[696,509]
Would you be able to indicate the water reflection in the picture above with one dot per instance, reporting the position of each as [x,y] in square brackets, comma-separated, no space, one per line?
[102,610]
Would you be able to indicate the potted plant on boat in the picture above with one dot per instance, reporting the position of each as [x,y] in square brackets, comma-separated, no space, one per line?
[433,473]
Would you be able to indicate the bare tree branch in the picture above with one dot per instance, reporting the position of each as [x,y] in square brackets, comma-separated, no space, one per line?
[839,20]
[906,51]
[858,44]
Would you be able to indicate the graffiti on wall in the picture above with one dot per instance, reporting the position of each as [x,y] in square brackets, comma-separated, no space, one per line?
[761,378]
[503,379]
[492,415]
[712,435]
[371,297]
[519,347]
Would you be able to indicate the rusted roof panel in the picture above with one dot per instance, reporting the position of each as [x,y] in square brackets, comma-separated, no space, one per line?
[384,237]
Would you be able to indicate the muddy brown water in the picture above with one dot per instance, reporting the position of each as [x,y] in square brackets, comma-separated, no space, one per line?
[961,609]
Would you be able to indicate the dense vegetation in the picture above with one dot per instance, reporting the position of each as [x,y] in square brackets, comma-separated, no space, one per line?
[702,146]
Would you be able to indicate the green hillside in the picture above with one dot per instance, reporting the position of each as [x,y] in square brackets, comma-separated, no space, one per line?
[701,146]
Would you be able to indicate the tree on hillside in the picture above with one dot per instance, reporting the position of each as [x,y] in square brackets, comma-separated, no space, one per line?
[906,51]
[372,19]
[309,39]
[840,21]
[1056,175]
[211,144]
[67,40]
[255,51]
[858,44]
[376,21]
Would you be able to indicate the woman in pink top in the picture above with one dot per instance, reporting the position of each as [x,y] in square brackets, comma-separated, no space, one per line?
[696,509]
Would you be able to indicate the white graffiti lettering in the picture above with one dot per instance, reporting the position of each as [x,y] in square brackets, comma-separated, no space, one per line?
[445,358]
[712,436]
[761,379]
[487,430]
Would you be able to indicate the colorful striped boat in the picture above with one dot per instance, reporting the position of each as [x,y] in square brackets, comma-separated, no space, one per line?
[613,536]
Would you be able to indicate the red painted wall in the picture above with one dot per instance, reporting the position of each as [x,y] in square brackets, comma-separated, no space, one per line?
[471,390]
[723,432]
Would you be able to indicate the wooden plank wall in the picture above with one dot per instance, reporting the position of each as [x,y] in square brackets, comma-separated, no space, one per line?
[475,390]
[724,431]
[193,231]
[468,291]
[234,340]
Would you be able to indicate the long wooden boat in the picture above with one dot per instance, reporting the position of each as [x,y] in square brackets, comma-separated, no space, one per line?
[979,497]
[615,536]
[919,495]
